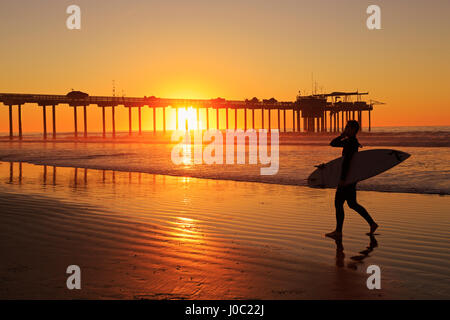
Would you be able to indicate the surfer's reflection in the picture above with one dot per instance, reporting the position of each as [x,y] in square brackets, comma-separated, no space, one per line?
[358,259]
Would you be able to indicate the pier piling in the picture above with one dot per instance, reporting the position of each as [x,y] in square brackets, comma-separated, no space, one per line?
[54,121]
[103,123]
[245,119]
[270,124]
[129,122]
[19,115]
[253,119]
[75,127]
[44,118]
[113,117]
[262,118]
[217,118]
[85,121]
[154,121]
[278,119]
[140,120]
[226,117]
[164,119]
[11,135]
[198,118]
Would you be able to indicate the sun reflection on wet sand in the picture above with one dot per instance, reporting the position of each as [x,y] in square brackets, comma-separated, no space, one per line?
[186,230]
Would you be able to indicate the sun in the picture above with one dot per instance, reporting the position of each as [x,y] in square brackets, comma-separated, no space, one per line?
[187,119]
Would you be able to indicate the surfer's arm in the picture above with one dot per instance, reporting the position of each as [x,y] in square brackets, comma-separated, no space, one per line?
[337,142]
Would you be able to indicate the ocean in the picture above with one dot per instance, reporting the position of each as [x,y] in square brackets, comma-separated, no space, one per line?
[425,172]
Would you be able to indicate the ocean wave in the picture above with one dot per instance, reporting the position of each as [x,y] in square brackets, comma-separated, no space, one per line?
[425,172]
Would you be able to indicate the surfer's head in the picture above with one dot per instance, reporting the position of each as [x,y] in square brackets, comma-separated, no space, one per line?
[352,128]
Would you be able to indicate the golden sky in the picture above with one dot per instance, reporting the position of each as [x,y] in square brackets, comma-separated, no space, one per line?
[230,49]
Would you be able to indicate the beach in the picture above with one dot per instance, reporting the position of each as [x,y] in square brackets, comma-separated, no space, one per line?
[138,235]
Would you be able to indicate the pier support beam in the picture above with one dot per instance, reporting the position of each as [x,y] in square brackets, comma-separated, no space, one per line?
[370,121]
[85,120]
[10,123]
[278,118]
[44,118]
[245,119]
[293,120]
[103,123]
[19,115]
[154,121]
[54,121]
[337,124]
[176,118]
[235,119]
[198,118]
[253,119]
[226,117]
[262,118]
[331,122]
[113,116]
[217,118]
[129,121]
[335,127]
[359,120]
[270,121]
[164,119]
[207,118]
[284,120]
[140,120]
[75,122]
[298,120]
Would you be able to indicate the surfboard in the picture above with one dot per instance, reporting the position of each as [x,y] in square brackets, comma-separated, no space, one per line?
[364,165]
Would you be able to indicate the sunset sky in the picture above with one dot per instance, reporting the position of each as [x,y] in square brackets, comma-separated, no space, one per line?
[230,49]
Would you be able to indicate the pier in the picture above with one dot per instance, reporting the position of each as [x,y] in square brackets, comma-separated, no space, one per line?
[317,113]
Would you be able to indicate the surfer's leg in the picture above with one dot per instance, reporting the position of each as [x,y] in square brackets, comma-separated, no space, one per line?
[353,204]
[339,205]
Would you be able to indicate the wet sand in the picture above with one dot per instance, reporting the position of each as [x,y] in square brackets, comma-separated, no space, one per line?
[144,236]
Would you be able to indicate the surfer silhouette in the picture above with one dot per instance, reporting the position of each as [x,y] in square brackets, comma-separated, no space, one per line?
[347,192]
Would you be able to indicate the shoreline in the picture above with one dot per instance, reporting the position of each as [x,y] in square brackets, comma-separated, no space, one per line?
[93,167]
